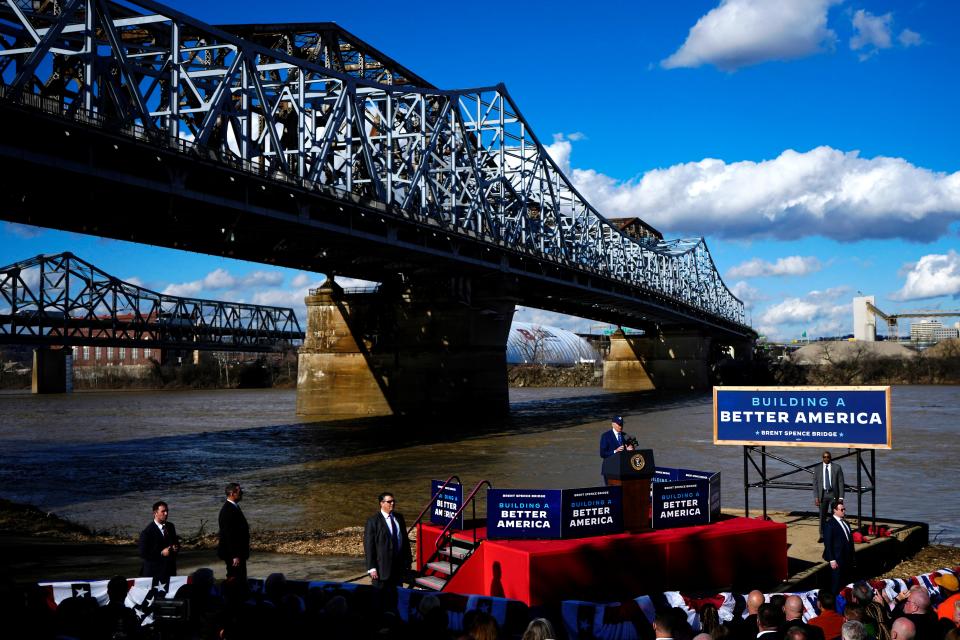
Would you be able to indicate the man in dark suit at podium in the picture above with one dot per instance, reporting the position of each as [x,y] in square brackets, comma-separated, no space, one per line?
[159,545]
[614,441]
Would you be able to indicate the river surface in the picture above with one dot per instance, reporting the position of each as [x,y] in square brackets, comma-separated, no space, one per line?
[102,458]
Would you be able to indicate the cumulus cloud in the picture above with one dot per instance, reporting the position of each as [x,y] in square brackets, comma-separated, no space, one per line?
[871,32]
[741,33]
[789,266]
[822,192]
[748,295]
[932,276]
[825,312]
[910,38]
[220,279]
[551,319]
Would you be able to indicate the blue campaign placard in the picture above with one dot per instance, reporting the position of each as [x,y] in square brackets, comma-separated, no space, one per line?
[853,417]
[593,511]
[681,504]
[524,514]
[446,504]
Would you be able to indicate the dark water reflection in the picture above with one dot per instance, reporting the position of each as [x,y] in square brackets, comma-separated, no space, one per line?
[103,458]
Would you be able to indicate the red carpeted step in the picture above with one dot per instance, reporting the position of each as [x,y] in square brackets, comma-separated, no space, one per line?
[431,582]
[457,553]
[442,566]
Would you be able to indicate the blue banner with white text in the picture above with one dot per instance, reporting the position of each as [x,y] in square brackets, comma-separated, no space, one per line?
[446,504]
[519,514]
[856,417]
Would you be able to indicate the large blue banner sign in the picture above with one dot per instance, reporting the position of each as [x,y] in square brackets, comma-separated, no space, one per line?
[596,511]
[855,417]
[523,513]
[446,504]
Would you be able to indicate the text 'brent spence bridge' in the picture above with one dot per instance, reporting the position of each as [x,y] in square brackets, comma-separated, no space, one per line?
[315,109]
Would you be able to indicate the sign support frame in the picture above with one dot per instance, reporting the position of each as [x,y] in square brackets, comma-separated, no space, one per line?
[774,482]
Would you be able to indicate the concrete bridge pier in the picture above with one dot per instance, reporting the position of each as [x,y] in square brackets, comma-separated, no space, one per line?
[435,346]
[666,360]
[52,370]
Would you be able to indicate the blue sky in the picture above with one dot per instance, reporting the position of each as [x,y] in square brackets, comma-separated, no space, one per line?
[814,143]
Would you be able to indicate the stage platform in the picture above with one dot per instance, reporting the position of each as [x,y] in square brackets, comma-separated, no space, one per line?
[734,553]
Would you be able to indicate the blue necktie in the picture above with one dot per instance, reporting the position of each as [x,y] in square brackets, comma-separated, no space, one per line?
[619,441]
[395,532]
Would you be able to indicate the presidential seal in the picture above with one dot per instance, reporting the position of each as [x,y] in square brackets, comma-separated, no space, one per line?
[638,462]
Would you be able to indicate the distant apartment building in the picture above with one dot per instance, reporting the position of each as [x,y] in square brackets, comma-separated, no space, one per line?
[931,331]
[95,356]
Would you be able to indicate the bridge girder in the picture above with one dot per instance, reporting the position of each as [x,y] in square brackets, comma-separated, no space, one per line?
[464,163]
[64,300]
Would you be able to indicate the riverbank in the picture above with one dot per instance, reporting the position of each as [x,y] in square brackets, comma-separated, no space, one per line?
[42,546]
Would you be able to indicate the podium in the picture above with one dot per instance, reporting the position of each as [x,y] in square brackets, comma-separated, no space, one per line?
[632,470]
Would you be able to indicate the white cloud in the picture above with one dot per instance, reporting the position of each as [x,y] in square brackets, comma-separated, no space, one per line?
[300,280]
[748,295]
[789,266]
[134,280]
[739,33]
[822,192]
[817,313]
[25,231]
[551,319]
[910,38]
[871,32]
[220,280]
[931,276]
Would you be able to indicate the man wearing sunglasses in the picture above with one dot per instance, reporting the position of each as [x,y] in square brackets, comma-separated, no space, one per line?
[387,549]
[838,547]
[827,487]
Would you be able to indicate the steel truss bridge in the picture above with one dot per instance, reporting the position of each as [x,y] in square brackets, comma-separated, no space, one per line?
[300,145]
[63,300]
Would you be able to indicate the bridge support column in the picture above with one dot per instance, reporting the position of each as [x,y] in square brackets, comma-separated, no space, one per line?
[674,360]
[52,371]
[435,346]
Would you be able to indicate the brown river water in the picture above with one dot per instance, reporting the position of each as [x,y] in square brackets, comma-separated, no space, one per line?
[102,458]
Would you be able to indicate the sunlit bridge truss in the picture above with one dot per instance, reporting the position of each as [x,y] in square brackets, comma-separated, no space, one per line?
[312,108]
[63,300]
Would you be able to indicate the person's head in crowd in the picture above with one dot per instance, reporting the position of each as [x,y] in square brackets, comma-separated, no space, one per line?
[778,600]
[484,627]
[117,590]
[539,629]
[903,629]
[795,633]
[948,584]
[663,625]
[917,602]
[275,586]
[793,608]
[754,600]
[827,600]
[336,607]
[703,636]
[852,630]
[710,620]
[233,491]
[680,624]
[953,634]
[855,612]
[769,617]
[862,593]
